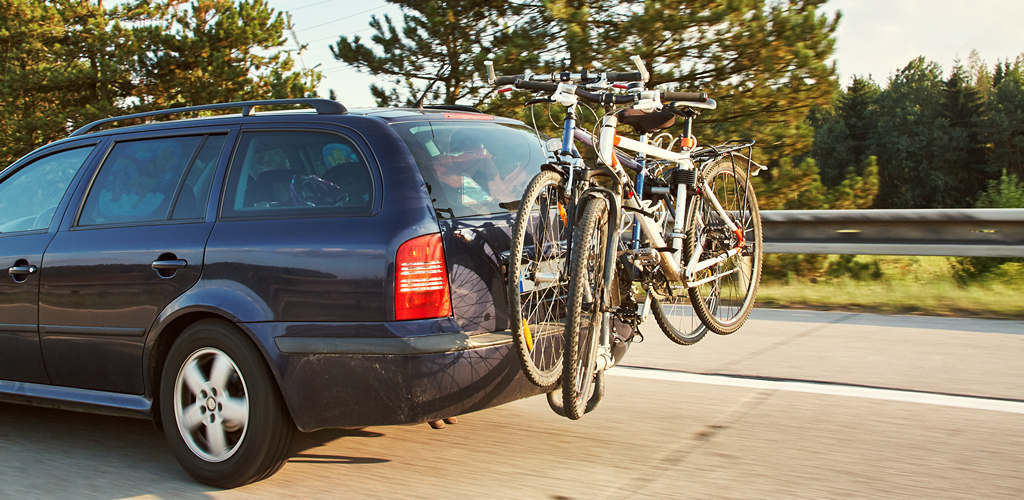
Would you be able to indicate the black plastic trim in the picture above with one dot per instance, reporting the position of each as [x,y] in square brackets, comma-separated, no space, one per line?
[93,330]
[11,327]
[426,344]
[71,398]
[322,107]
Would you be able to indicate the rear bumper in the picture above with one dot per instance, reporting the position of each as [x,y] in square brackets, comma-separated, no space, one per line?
[340,381]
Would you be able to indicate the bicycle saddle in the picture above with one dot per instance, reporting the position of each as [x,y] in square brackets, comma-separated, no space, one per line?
[643,122]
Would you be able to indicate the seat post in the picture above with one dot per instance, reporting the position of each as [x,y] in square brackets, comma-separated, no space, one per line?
[688,125]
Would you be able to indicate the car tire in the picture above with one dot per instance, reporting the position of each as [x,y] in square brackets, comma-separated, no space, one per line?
[222,414]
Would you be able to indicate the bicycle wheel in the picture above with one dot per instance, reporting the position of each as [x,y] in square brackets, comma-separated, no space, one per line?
[583,329]
[537,280]
[733,286]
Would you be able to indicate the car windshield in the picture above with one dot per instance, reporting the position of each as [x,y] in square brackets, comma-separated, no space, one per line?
[473,167]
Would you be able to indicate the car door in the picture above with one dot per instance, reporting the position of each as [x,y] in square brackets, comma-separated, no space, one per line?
[31,197]
[135,243]
[297,226]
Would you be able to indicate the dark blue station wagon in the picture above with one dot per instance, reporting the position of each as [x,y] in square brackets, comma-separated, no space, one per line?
[238,277]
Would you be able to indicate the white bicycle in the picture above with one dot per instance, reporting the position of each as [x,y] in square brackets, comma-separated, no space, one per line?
[697,235]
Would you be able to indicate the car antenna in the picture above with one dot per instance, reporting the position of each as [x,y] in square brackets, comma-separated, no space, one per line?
[419,102]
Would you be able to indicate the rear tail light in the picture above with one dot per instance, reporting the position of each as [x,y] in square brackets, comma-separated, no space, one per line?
[421,280]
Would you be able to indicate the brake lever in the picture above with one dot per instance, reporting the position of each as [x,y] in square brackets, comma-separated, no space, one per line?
[686,112]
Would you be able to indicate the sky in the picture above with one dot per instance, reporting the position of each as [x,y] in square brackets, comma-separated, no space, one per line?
[875,37]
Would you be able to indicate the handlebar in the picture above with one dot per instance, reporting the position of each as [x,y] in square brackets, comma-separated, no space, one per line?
[606,97]
[624,76]
[507,80]
[533,85]
[585,77]
[546,83]
[596,97]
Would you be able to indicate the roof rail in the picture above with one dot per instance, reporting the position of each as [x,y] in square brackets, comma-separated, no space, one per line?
[453,107]
[322,106]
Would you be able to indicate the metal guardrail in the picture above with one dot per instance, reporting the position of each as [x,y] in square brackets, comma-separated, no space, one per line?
[977,232]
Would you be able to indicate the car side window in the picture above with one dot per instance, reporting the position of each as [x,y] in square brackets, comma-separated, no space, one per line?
[138,180]
[29,197]
[285,173]
[195,191]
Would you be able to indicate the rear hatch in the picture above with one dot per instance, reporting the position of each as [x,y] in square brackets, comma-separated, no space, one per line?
[475,170]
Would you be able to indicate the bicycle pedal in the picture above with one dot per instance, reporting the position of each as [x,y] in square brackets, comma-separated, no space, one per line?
[647,256]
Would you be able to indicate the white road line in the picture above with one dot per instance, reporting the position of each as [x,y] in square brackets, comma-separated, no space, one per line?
[829,389]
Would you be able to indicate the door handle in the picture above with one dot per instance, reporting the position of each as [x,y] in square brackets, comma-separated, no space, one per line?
[20,271]
[173,264]
[15,270]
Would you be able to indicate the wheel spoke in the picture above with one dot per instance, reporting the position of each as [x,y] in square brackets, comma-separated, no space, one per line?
[220,372]
[235,411]
[192,416]
[193,377]
[216,439]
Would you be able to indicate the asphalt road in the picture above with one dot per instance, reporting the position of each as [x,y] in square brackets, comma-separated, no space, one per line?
[796,404]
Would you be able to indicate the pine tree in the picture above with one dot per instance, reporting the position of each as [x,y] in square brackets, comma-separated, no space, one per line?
[911,139]
[765,62]
[981,76]
[965,162]
[238,45]
[66,63]
[1004,128]
[445,41]
[842,134]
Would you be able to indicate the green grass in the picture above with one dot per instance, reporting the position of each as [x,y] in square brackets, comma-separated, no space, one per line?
[904,285]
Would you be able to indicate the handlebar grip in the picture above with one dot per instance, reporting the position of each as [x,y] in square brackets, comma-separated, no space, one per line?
[620,76]
[605,97]
[507,79]
[684,96]
[532,85]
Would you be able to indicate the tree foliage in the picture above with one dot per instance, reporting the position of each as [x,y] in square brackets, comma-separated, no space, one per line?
[925,138]
[65,63]
[1005,192]
[937,138]
[442,41]
[764,61]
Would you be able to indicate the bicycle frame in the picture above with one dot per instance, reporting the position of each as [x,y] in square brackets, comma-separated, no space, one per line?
[607,142]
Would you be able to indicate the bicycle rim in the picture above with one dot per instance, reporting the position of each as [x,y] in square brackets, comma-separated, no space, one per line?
[723,303]
[584,326]
[538,280]
[676,318]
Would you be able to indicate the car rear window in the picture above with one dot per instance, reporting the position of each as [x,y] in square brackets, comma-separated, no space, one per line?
[473,168]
